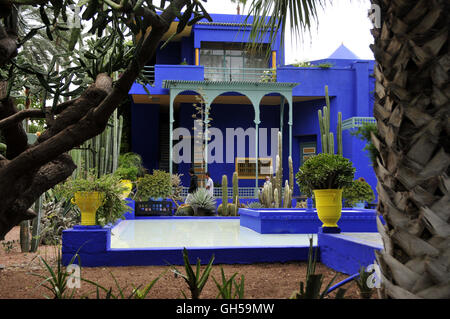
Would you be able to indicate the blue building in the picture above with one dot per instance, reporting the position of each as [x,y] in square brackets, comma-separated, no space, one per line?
[247,96]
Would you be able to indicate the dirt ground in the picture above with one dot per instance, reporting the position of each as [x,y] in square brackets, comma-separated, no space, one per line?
[262,281]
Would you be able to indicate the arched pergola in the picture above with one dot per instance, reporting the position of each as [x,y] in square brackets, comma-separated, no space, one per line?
[255,91]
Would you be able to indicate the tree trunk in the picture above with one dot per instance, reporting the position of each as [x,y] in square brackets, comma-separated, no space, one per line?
[28,171]
[412,111]
[25,236]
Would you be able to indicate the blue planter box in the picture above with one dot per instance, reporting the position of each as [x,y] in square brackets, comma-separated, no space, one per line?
[301,221]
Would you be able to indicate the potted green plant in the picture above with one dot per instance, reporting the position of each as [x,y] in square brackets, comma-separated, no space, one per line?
[326,175]
[202,202]
[99,199]
[156,186]
[357,193]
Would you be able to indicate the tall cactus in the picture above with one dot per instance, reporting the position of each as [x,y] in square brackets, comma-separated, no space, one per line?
[327,137]
[224,207]
[287,196]
[235,189]
[100,153]
[291,173]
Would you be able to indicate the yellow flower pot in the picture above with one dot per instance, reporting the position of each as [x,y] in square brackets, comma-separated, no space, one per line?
[88,202]
[129,186]
[329,206]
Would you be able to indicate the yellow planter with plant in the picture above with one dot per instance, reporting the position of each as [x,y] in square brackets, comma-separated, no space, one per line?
[98,198]
[326,175]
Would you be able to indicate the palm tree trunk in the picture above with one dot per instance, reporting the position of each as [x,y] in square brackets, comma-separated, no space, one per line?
[412,111]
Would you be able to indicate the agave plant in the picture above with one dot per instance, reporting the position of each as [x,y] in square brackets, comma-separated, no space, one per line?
[255,205]
[202,202]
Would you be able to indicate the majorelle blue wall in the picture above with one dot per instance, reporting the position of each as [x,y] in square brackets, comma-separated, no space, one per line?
[220,30]
[145,133]
[349,80]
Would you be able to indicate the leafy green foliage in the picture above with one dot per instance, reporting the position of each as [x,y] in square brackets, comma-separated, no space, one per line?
[358,191]
[226,287]
[311,288]
[364,133]
[136,292]
[129,173]
[57,279]
[324,171]
[130,166]
[113,206]
[195,280]
[156,185]
[306,64]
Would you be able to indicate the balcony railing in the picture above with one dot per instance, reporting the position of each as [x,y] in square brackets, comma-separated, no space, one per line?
[355,122]
[218,74]
[240,74]
[149,73]
[244,192]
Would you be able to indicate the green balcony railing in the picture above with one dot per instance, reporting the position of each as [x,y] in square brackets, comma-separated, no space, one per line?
[354,122]
[240,74]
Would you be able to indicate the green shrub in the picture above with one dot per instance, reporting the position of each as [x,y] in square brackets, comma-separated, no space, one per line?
[130,173]
[156,185]
[358,191]
[363,133]
[130,166]
[184,210]
[324,171]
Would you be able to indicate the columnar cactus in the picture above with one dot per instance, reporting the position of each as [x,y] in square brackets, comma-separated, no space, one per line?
[224,205]
[235,189]
[100,153]
[287,198]
[291,173]
[266,195]
[327,137]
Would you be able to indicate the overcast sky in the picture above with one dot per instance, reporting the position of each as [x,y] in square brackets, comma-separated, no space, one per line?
[345,21]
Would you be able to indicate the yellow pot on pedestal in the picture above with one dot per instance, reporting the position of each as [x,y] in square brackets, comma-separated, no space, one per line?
[329,206]
[88,202]
[129,186]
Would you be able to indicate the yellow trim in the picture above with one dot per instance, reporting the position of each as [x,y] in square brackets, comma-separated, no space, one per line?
[274,60]
[197,56]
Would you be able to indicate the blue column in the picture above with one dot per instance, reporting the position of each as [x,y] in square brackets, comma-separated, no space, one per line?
[361,88]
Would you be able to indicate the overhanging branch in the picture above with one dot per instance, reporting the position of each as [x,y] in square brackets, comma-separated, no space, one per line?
[20,116]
